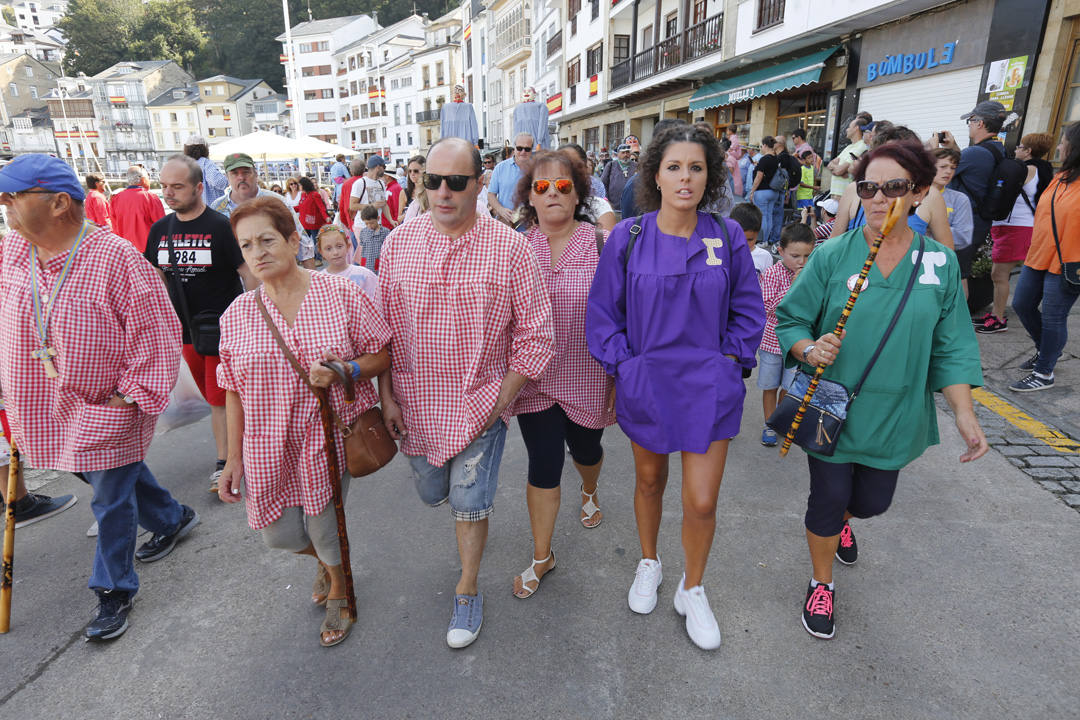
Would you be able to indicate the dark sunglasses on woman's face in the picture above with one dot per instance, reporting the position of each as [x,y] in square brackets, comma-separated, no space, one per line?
[563,185]
[895,188]
[456,183]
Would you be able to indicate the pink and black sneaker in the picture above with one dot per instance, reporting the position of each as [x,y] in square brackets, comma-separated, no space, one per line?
[847,551]
[817,613]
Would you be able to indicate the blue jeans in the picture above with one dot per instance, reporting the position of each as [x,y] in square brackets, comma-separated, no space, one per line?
[1048,327]
[125,498]
[772,214]
[468,480]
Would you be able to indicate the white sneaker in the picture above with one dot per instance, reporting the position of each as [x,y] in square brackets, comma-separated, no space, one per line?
[700,621]
[647,577]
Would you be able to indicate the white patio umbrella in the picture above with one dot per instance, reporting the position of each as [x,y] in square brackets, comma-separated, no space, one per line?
[264,146]
[322,148]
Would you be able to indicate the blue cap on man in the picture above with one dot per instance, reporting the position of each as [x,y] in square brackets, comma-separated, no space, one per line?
[36,170]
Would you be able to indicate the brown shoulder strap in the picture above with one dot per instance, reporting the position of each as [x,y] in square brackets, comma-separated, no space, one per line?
[317,391]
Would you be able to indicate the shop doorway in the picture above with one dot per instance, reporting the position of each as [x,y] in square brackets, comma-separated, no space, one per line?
[806,109]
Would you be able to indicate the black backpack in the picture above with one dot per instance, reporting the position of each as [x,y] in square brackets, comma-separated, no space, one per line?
[1005,186]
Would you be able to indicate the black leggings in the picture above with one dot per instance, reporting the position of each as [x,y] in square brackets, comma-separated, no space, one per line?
[838,487]
[546,433]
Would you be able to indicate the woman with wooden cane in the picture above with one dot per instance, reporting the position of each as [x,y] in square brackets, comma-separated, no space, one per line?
[912,311]
[282,398]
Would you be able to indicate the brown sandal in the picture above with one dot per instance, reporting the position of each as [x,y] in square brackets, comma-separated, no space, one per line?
[333,622]
[321,587]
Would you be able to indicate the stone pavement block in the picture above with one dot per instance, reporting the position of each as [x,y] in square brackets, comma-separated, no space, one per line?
[1042,461]
[1047,450]
[1018,462]
[1072,500]
[1048,473]
[1050,485]
[1071,485]
[995,440]
[1015,450]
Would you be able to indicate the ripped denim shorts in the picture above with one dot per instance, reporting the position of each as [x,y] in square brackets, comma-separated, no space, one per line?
[468,480]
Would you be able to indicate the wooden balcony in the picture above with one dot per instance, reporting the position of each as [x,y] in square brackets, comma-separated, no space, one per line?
[692,43]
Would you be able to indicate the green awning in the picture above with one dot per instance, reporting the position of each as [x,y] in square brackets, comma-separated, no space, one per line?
[766,81]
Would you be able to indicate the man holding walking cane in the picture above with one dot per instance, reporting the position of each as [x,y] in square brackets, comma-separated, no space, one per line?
[89,349]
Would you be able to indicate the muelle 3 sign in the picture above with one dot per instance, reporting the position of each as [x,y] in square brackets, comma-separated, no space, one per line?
[909,62]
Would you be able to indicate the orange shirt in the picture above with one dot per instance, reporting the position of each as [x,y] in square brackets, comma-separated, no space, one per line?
[1043,255]
[133,211]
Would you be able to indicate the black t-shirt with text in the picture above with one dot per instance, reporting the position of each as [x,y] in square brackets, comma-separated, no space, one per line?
[207,257]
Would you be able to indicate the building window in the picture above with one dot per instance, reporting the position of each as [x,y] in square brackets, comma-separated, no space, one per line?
[646,38]
[573,9]
[620,49]
[592,138]
[699,11]
[440,79]
[594,9]
[425,76]
[29,71]
[468,53]
[613,134]
[33,92]
[13,89]
[410,138]
[671,24]
[594,60]
[573,77]
[327,93]
[397,139]
[769,13]
[313,70]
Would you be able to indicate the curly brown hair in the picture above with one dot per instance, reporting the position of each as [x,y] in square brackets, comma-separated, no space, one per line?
[647,193]
[568,163]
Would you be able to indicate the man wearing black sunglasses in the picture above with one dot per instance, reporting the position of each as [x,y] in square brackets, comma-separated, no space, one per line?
[470,323]
[504,180]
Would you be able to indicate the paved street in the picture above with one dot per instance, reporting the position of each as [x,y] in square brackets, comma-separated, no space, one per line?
[962,605]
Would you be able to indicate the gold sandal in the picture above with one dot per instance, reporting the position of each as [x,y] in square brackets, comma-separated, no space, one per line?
[333,622]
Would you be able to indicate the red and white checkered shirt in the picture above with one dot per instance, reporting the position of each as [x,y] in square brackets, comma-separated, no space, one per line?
[775,282]
[285,463]
[113,329]
[462,314]
[573,379]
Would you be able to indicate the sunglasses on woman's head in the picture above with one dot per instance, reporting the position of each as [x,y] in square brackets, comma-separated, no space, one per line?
[563,185]
[456,183]
[895,188]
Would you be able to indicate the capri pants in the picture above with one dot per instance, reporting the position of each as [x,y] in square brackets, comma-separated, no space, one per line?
[546,433]
[294,531]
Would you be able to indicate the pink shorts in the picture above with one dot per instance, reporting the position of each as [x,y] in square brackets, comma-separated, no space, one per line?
[1011,243]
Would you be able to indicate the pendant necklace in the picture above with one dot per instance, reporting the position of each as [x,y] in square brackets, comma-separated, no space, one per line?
[44,354]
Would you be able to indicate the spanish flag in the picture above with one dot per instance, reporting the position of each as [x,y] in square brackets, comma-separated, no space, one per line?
[594,85]
[117,99]
[468,32]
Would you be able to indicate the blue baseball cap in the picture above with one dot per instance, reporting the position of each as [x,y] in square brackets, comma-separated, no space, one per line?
[43,171]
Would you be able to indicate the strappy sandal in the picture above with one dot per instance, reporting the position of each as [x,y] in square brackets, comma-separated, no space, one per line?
[333,622]
[591,510]
[321,587]
[530,576]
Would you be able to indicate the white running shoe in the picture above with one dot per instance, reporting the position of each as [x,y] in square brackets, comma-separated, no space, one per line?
[700,621]
[647,577]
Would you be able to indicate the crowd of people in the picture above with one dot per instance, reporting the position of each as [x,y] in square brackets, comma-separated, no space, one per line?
[568,290]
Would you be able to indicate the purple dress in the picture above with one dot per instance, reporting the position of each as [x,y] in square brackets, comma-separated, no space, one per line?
[664,324]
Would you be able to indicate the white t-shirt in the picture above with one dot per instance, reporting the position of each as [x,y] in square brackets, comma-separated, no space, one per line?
[369,191]
[763,259]
[1021,215]
[595,207]
[367,280]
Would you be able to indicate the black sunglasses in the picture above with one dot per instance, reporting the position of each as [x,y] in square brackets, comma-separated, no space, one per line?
[895,188]
[523,149]
[456,183]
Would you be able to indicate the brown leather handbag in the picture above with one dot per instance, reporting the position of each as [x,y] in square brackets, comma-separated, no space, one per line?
[368,446]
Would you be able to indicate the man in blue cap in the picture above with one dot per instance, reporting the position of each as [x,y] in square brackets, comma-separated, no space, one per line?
[90,351]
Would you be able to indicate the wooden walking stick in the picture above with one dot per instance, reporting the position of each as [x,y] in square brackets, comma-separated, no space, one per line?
[327,415]
[886,227]
[9,542]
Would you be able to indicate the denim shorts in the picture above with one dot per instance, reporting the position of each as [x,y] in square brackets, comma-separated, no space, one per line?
[771,373]
[468,480]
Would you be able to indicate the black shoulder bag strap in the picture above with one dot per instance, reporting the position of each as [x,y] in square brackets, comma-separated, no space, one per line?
[892,323]
[635,230]
[1068,270]
[997,160]
[174,276]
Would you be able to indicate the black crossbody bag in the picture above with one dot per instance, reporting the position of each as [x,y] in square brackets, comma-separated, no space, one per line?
[1070,271]
[824,418]
[203,328]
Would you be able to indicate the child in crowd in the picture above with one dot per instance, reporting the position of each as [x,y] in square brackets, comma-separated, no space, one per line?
[823,230]
[335,249]
[796,244]
[748,216]
[370,235]
[804,193]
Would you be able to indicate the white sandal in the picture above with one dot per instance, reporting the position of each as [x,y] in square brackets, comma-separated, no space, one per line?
[530,576]
[590,509]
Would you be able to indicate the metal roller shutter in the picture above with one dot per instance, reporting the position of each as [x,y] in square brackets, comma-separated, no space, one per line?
[926,105]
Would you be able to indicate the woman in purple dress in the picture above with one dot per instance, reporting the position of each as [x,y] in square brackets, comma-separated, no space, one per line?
[675,315]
